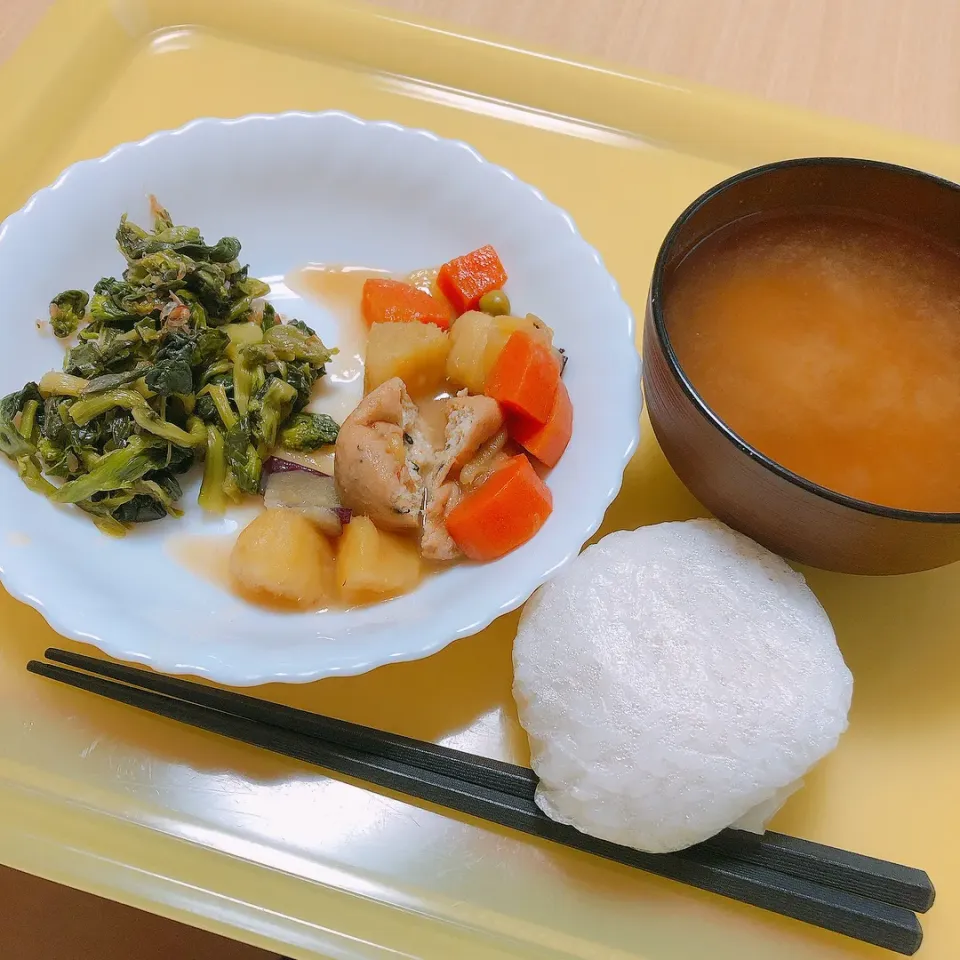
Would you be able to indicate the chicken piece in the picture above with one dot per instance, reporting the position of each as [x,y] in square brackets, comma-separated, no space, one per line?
[488,459]
[471,422]
[435,542]
[381,459]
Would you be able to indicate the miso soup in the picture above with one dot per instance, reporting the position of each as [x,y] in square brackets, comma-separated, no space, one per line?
[831,344]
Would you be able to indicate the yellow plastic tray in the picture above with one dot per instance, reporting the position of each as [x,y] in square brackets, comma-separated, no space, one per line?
[269,851]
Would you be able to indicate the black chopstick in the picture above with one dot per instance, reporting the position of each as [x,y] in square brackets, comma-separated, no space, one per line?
[482,771]
[881,880]
[875,879]
[884,925]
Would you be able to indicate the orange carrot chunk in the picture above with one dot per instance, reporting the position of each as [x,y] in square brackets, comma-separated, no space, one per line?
[546,442]
[503,513]
[464,280]
[525,377]
[392,301]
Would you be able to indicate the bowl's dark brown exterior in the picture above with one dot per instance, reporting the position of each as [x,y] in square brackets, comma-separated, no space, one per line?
[789,515]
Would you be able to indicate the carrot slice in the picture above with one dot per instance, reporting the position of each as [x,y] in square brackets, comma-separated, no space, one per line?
[525,377]
[464,280]
[503,513]
[546,441]
[393,301]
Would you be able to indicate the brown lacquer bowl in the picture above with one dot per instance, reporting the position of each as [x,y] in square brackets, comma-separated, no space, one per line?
[790,515]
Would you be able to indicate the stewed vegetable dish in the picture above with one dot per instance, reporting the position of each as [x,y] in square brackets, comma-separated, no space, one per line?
[463,410]
[183,362]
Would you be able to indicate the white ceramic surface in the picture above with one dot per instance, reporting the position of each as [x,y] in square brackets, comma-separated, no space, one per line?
[296,188]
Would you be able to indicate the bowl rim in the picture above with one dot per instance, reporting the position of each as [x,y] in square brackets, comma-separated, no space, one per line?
[655,302]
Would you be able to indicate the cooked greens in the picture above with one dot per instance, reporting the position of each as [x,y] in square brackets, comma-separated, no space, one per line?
[308,431]
[179,361]
[67,310]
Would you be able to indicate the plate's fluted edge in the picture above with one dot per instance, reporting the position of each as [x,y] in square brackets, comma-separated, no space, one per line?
[22,591]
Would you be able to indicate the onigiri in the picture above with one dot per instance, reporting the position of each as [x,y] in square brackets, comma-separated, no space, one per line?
[673,681]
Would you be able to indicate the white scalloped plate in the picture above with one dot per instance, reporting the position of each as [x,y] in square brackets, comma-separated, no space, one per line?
[299,187]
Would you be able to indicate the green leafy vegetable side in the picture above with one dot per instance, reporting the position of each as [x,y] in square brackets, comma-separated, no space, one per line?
[308,431]
[178,362]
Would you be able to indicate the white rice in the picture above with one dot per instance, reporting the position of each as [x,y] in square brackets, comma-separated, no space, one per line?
[673,681]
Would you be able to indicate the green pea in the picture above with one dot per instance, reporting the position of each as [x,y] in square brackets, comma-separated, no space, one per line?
[496,303]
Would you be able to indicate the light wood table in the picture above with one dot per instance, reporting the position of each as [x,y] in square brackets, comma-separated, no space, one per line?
[891,62]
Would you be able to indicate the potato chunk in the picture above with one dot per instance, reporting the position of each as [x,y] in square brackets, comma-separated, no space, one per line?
[281,559]
[528,324]
[414,352]
[373,564]
[477,340]
[467,362]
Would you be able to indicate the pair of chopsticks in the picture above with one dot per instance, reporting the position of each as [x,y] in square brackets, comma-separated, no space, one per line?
[858,896]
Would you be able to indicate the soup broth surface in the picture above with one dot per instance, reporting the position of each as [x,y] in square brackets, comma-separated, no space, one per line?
[831,344]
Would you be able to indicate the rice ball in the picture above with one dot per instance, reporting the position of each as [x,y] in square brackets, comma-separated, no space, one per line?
[676,680]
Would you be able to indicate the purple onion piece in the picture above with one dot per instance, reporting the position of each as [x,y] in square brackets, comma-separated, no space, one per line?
[278,465]
[310,493]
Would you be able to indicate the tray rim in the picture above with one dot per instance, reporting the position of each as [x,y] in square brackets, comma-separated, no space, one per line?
[222,908]
[692,118]
[116,29]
